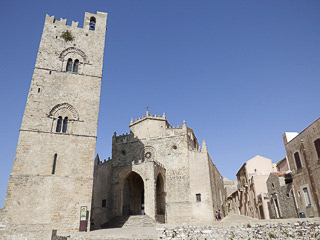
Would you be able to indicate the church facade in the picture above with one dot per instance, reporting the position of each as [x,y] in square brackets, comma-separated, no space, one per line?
[157,170]
[160,171]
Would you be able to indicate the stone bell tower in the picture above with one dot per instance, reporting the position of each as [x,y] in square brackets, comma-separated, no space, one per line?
[52,173]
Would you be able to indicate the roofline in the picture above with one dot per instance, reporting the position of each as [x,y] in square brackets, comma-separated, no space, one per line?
[302,130]
[142,119]
[241,168]
[285,158]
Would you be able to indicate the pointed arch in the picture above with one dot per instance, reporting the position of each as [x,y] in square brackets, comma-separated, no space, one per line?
[133,194]
[160,195]
[55,109]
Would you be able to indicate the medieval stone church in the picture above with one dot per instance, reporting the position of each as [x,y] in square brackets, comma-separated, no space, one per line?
[157,170]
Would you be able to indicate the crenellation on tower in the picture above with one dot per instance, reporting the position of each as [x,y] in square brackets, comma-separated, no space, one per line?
[86,22]
[79,42]
[74,24]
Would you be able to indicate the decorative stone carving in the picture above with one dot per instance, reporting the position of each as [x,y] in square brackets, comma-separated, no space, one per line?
[147,154]
[74,50]
[67,106]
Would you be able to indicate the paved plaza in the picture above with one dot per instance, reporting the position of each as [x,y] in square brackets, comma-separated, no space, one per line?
[232,227]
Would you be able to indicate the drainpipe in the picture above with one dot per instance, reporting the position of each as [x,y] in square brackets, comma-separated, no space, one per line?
[314,191]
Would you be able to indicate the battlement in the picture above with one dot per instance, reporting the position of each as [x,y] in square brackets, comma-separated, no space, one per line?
[148,116]
[155,117]
[184,126]
[175,127]
[105,161]
[73,41]
[122,138]
[99,18]
[154,126]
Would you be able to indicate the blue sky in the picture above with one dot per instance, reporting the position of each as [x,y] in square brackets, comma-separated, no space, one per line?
[240,73]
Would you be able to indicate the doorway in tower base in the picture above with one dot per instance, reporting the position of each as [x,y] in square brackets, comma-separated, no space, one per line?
[133,195]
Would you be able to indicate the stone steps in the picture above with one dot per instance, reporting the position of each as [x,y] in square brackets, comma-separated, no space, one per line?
[130,221]
[129,233]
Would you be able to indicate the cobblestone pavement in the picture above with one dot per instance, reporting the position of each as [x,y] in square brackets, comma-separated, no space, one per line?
[240,227]
[232,227]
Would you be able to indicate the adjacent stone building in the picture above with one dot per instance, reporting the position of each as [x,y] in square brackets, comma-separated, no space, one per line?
[252,178]
[283,165]
[303,152]
[282,201]
[51,179]
[160,171]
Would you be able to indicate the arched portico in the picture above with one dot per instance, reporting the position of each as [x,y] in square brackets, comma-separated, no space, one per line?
[133,195]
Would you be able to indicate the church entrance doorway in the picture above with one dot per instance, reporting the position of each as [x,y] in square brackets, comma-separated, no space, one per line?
[133,195]
[160,198]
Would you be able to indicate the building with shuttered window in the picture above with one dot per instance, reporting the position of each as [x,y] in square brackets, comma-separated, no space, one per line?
[303,152]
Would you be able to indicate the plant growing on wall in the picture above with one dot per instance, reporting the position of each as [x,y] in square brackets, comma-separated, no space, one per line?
[67,36]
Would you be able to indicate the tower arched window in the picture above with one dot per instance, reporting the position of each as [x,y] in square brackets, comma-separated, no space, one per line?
[59,124]
[65,125]
[69,65]
[76,65]
[92,25]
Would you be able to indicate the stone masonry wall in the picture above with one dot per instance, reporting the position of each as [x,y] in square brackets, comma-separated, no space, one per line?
[277,188]
[199,173]
[102,190]
[36,195]
[169,147]
[154,147]
[303,144]
[217,188]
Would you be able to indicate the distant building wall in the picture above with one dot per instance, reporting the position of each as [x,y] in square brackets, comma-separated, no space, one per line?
[230,187]
[283,165]
[261,196]
[253,194]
